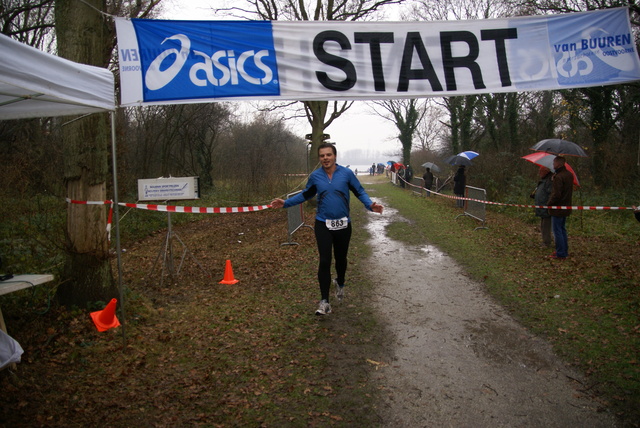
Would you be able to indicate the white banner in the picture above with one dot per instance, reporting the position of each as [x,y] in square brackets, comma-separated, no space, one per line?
[170,62]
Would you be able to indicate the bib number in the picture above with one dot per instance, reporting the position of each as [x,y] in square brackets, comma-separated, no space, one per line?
[338,224]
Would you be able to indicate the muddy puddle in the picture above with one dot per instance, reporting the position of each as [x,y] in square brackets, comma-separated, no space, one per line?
[460,360]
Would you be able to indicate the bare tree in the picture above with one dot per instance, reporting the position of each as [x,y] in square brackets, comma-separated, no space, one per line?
[287,10]
[406,115]
[259,151]
[463,110]
[28,21]
[430,132]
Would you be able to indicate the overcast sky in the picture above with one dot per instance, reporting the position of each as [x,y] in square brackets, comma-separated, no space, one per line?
[357,129]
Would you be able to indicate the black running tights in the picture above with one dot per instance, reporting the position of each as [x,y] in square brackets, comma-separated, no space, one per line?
[338,240]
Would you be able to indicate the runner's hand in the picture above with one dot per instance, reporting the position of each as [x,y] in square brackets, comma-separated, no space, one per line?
[377,208]
[277,203]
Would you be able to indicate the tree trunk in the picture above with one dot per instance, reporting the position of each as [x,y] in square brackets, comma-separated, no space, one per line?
[316,113]
[80,32]
[600,121]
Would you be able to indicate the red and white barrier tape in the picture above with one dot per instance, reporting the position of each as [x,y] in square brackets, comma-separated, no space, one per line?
[197,210]
[109,218]
[178,209]
[553,207]
[73,201]
[169,208]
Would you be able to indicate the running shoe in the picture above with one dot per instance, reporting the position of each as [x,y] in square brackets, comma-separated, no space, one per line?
[324,308]
[339,290]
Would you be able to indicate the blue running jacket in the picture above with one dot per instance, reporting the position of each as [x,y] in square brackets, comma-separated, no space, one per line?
[333,195]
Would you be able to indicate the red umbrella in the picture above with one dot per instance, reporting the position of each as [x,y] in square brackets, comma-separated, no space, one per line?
[546,160]
[399,166]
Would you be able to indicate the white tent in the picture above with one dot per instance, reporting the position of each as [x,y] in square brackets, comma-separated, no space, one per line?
[37,84]
[34,83]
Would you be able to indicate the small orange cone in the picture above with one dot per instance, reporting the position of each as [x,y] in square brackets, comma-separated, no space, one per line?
[228,275]
[106,318]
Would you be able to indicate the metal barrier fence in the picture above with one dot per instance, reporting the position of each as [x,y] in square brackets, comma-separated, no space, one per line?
[295,219]
[475,209]
[418,185]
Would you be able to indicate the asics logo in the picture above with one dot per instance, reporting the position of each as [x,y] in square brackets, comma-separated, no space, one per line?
[221,68]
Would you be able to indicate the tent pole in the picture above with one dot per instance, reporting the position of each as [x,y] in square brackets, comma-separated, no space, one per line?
[117,224]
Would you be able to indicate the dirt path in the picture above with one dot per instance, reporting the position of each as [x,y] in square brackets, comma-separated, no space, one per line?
[460,360]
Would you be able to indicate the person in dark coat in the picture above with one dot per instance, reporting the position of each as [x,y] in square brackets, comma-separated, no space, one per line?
[636,212]
[409,174]
[542,193]
[561,195]
[459,184]
[428,180]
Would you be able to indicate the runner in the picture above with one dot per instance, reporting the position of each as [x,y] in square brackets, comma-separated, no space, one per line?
[332,183]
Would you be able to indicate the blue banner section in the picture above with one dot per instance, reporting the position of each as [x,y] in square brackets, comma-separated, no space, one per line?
[599,51]
[183,60]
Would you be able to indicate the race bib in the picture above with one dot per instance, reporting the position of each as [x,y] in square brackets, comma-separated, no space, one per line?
[338,224]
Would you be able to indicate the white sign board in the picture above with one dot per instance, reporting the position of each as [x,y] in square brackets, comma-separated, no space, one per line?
[166,189]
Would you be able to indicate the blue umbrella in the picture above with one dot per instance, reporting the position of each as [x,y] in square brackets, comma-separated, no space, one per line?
[469,154]
[458,160]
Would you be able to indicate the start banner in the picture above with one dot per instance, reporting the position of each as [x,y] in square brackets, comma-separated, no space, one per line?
[171,62]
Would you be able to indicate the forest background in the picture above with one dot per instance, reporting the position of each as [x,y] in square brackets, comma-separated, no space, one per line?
[243,154]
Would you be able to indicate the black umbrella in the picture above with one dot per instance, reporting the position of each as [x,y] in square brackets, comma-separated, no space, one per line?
[557,146]
[458,160]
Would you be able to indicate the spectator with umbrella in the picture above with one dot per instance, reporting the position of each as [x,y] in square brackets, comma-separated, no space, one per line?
[561,189]
[428,180]
[462,159]
[459,184]
[402,172]
[541,196]
[561,195]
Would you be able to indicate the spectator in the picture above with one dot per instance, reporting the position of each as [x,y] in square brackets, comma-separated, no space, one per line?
[541,196]
[459,184]
[561,195]
[428,180]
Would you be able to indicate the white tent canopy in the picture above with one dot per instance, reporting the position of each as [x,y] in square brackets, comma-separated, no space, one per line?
[34,83]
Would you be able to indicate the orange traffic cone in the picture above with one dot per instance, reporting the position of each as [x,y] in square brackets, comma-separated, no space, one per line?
[228,275]
[106,318]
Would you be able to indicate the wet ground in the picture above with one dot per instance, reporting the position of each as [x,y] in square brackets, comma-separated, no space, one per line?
[460,360]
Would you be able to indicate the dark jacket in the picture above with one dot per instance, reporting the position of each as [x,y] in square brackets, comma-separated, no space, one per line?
[409,174]
[428,179]
[543,191]
[460,182]
[561,192]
